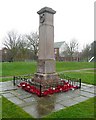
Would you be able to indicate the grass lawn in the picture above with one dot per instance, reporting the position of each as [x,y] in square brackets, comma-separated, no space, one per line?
[0,68]
[10,110]
[85,77]
[6,79]
[62,66]
[82,110]
[20,68]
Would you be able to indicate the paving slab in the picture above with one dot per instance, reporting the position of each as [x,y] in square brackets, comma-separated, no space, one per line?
[40,110]
[84,88]
[80,99]
[86,94]
[67,95]
[43,110]
[19,92]
[41,106]
[7,86]
[30,99]
[2,92]
[0,88]
[69,102]
[8,95]
[88,85]
[8,89]
[58,106]
[0,83]
[84,84]
[44,101]
[25,104]
[24,96]
[15,100]
[58,98]
[32,110]
[74,93]
[90,90]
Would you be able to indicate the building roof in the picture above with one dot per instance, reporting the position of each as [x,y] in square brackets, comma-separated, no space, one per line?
[58,44]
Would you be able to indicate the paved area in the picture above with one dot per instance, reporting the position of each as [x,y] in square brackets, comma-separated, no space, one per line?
[39,107]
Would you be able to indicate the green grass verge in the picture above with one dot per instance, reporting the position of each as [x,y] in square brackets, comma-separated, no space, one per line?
[0,68]
[5,79]
[85,77]
[82,110]
[10,110]
[20,68]
[62,66]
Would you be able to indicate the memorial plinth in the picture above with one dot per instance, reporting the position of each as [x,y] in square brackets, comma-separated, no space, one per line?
[46,62]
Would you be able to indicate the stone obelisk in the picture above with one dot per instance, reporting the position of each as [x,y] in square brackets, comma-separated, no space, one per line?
[46,59]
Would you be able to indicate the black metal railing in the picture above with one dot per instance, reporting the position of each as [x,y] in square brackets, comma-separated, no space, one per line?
[63,84]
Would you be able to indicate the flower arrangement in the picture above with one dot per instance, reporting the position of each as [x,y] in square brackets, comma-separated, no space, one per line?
[66,86]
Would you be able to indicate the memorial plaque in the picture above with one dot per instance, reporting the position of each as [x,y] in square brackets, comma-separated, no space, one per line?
[50,66]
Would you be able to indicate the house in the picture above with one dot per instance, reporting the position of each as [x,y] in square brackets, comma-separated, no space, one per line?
[59,55]
[3,54]
[58,49]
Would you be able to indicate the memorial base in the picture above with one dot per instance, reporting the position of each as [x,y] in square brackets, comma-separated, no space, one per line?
[41,88]
[46,79]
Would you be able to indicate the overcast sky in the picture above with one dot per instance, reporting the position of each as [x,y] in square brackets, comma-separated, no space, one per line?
[74,19]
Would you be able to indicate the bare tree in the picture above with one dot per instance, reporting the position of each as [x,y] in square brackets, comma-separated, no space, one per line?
[16,46]
[71,48]
[22,53]
[33,42]
[86,52]
[93,49]
[11,43]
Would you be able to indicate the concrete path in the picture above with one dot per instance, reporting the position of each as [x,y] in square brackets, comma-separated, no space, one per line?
[39,107]
[81,70]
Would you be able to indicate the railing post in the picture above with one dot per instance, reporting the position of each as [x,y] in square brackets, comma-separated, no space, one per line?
[80,83]
[14,80]
[40,90]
